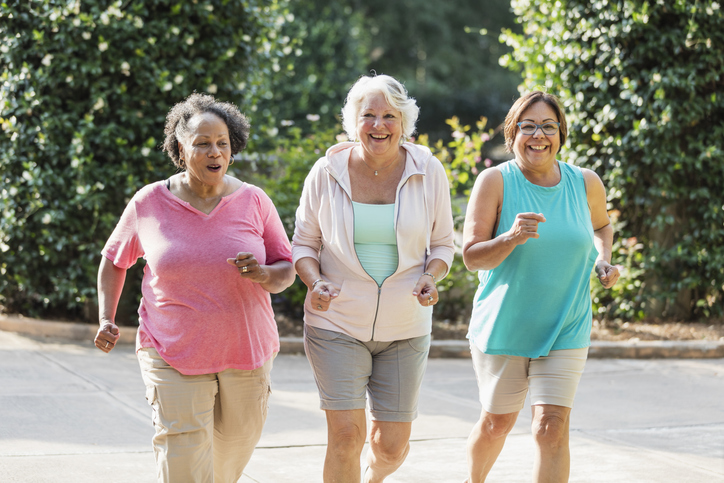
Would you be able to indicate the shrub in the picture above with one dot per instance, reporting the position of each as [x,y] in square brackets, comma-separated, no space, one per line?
[83,97]
[642,83]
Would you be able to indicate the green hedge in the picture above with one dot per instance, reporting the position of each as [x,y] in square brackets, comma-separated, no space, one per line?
[643,87]
[83,96]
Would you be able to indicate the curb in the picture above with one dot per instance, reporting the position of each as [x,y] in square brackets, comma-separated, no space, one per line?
[452,349]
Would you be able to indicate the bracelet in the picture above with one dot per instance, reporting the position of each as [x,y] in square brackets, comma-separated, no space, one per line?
[434,280]
[314,284]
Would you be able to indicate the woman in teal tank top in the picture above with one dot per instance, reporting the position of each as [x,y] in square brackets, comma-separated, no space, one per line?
[534,229]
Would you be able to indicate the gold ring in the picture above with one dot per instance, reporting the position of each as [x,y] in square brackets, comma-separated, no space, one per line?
[244,269]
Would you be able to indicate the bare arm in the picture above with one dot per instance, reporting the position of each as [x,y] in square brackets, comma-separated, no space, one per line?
[482,251]
[110,285]
[602,230]
[273,278]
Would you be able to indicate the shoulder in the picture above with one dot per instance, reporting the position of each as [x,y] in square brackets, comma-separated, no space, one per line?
[150,192]
[590,178]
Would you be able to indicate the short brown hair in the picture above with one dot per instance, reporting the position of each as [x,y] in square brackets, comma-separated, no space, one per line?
[511,120]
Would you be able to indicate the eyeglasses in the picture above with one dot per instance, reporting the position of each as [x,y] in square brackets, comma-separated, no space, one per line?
[529,128]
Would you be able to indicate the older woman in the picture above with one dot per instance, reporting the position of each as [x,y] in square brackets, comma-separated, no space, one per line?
[373,235]
[535,227]
[214,248]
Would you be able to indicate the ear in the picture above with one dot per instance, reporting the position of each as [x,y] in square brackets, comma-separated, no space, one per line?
[180,149]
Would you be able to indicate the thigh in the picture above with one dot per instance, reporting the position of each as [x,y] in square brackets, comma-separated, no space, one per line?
[181,403]
[397,372]
[341,365]
[554,379]
[502,381]
[242,402]
[239,417]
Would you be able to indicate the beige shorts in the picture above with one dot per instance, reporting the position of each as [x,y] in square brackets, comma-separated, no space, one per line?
[503,381]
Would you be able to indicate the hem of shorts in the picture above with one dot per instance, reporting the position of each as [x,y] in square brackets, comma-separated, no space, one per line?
[393,416]
[563,402]
[342,405]
[513,408]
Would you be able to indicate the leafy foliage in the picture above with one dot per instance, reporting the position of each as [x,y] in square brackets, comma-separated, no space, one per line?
[463,161]
[83,98]
[642,82]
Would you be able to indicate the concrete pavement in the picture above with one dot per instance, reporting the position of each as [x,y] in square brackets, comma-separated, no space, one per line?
[69,413]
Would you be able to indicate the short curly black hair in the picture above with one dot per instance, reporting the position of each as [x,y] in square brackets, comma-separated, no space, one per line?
[179,115]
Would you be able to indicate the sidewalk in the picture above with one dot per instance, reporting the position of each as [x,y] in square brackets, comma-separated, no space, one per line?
[698,349]
[70,413]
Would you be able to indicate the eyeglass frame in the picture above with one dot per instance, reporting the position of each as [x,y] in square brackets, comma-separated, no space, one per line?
[539,126]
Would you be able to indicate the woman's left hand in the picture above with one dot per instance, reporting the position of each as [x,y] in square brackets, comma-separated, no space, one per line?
[607,274]
[426,291]
[249,268]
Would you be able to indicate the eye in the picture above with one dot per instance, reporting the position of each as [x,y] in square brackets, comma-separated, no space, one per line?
[390,116]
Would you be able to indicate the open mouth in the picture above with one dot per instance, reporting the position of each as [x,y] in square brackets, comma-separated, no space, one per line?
[379,136]
[538,148]
[214,168]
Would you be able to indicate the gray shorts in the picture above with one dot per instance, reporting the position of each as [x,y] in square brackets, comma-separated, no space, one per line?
[503,380]
[346,368]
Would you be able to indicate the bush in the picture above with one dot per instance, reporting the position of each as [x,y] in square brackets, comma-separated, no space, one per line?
[83,99]
[642,84]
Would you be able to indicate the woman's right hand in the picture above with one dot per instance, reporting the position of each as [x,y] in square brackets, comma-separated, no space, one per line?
[322,295]
[525,227]
[107,336]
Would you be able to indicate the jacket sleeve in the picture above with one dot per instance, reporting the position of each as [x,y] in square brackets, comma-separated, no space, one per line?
[442,243]
[307,239]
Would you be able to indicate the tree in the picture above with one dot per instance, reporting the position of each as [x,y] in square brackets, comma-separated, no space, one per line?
[642,82]
[83,98]
[447,55]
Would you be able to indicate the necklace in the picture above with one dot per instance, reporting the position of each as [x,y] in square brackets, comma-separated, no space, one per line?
[382,168]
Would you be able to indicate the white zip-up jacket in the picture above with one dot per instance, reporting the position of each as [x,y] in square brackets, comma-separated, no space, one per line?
[324,231]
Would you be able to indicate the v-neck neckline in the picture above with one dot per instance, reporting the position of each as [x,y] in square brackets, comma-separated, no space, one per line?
[223,201]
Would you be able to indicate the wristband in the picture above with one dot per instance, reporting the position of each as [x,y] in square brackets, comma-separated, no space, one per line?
[314,284]
[434,280]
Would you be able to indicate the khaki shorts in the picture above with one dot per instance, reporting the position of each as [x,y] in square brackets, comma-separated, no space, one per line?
[346,368]
[503,380]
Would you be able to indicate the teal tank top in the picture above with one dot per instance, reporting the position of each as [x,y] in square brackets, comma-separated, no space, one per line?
[375,240]
[539,298]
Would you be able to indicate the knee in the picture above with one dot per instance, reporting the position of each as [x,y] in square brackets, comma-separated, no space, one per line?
[346,440]
[550,431]
[389,452]
[496,426]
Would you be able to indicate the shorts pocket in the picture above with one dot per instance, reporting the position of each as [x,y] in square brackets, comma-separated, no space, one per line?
[420,344]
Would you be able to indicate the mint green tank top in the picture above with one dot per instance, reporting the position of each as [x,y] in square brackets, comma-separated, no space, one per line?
[539,298]
[375,240]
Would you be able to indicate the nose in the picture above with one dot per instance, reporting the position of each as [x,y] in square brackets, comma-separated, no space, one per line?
[214,152]
[538,133]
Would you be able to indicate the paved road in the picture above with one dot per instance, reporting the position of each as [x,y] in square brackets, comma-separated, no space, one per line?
[69,413]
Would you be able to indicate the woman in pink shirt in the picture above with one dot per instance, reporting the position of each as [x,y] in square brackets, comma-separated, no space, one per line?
[215,249]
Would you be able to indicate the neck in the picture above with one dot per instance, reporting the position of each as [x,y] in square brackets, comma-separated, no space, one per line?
[547,177]
[203,191]
[381,165]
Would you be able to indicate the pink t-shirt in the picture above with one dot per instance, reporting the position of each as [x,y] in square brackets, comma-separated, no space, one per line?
[196,310]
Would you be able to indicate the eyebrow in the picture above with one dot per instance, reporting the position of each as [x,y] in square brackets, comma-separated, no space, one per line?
[544,120]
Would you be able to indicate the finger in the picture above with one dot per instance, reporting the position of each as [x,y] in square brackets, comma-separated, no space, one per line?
[533,216]
[418,288]
[244,256]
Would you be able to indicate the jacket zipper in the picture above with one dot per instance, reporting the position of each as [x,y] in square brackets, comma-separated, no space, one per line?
[379,286]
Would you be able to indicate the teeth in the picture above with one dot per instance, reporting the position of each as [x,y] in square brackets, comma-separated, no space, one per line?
[538,148]
[379,136]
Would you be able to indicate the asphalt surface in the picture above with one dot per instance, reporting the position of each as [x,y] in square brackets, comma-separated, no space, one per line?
[70,413]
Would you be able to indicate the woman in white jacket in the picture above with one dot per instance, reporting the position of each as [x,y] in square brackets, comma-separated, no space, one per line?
[374,234]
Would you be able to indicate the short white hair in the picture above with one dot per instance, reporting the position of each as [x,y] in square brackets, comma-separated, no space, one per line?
[395,95]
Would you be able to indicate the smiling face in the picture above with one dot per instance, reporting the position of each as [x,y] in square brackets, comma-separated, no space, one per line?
[379,128]
[538,151]
[206,149]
